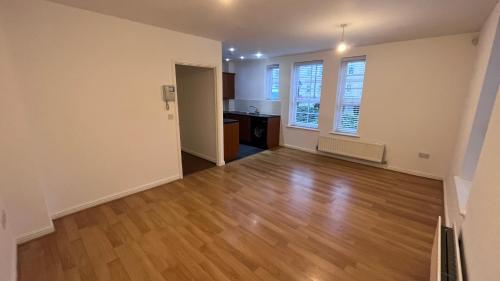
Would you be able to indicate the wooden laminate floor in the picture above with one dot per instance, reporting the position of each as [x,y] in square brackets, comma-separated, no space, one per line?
[276,215]
[192,164]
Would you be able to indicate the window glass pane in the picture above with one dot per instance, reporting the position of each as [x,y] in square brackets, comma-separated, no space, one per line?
[307,93]
[301,118]
[313,119]
[349,118]
[273,82]
[354,82]
[352,96]
[356,68]
[302,107]
[314,108]
[349,99]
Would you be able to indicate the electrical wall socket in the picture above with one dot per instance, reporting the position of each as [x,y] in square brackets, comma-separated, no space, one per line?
[424,155]
[3,219]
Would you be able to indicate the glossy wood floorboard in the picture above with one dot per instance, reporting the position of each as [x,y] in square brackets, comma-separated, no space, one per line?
[276,215]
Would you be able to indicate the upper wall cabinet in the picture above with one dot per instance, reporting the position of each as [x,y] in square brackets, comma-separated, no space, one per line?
[228,85]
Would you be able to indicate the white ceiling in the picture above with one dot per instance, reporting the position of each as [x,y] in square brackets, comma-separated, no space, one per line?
[279,27]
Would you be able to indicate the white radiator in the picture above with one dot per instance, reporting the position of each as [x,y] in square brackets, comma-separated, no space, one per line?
[361,150]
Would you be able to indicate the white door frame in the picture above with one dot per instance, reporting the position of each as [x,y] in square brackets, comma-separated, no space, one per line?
[218,118]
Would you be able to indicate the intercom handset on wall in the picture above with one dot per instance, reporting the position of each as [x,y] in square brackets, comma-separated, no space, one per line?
[168,94]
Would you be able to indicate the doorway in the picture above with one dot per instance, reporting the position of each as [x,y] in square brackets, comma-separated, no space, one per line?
[196,94]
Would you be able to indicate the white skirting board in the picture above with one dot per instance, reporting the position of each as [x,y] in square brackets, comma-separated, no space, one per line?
[112,197]
[201,155]
[23,238]
[414,173]
[50,228]
[387,167]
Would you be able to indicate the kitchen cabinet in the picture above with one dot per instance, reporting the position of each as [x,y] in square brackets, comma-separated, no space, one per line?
[228,85]
[260,130]
[244,128]
[273,132]
[264,131]
[231,139]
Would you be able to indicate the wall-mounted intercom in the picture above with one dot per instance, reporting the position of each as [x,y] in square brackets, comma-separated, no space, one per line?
[168,94]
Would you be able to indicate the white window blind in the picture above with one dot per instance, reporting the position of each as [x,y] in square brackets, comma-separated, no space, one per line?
[307,81]
[273,82]
[349,96]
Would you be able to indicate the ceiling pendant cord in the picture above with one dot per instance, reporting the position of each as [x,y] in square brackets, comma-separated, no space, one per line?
[343,31]
[342,46]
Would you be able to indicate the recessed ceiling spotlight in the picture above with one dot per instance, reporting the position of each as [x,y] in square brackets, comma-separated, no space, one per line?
[342,46]
[232,49]
[258,55]
[242,57]
[228,59]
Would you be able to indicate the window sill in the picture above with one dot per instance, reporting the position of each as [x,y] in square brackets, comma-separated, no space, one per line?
[303,128]
[345,134]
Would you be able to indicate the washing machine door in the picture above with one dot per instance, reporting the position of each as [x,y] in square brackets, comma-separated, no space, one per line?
[259,132]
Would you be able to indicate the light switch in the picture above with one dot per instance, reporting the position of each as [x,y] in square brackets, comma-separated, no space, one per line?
[424,155]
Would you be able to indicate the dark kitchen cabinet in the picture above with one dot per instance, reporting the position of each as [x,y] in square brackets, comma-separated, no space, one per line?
[257,130]
[228,85]
[273,132]
[245,130]
[231,140]
[265,131]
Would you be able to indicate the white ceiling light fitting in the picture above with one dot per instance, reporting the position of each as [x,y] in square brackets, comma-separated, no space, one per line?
[258,55]
[342,46]
[228,59]
[242,57]
[232,49]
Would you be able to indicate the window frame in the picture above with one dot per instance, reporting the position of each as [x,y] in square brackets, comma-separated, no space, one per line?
[293,110]
[340,94]
[269,84]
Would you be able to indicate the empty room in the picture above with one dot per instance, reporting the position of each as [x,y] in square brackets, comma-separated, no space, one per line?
[325,140]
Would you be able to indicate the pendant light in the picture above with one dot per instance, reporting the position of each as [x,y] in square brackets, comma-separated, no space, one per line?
[342,46]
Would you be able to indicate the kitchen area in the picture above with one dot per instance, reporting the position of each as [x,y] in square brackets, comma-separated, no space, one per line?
[247,130]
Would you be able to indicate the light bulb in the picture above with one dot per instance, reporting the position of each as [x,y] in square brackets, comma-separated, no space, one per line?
[342,47]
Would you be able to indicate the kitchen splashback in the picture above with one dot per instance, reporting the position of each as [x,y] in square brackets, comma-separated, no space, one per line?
[265,106]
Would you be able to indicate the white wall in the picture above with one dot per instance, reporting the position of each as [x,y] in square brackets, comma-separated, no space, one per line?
[250,80]
[481,229]
[412,99]
[196,101]
[92,88]
[19,178]
[8,254]
[264,106]
[476,112]
[484,49]
[250,87]
[482,93]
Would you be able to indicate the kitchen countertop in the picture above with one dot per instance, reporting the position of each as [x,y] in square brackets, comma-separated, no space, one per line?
[229,121]
[251,114]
